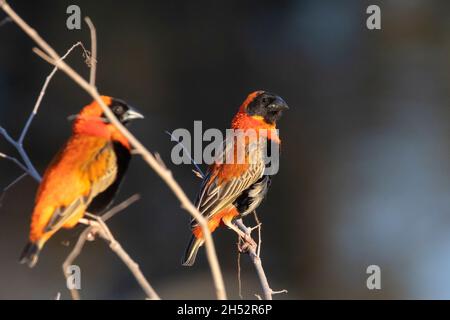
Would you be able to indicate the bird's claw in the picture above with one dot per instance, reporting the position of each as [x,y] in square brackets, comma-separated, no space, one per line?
[246,245]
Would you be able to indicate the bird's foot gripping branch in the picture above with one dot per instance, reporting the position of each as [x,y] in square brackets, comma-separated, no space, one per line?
[99,151]
[46,52]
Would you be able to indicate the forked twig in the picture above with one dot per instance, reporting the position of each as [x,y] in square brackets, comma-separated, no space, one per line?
[29,169]
[27,166]
[97,227]
[50,55]
[251,249]
[42,93]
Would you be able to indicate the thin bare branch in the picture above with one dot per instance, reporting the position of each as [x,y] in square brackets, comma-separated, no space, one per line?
[5,134]
[239,273]
[14,160]
[259,224]
[120,207]
[148,157]
[27,165]
[76,251]
[93,63]
[103,230]
[98,227]
[133,266]
[41,95]
[10,185]
[16,180]
[252,252]
[279,291]
[5,21]
[31,169]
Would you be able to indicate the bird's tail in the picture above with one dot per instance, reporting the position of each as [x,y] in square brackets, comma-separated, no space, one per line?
[191,251]
[30,253]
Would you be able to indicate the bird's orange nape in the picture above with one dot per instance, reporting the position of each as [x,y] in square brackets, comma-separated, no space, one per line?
[84,176]
[231,190]
[90,122]
[249,99]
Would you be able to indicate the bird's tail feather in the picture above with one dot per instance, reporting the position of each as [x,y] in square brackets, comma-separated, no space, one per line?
[191,251]
[30,253]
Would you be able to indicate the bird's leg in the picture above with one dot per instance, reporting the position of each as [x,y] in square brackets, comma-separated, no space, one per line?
[91,216]
[100,224]
[246,237]
[92,222]
[87,222]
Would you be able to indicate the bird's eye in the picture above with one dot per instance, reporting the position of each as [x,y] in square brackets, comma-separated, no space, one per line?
[265,100]
[118,110]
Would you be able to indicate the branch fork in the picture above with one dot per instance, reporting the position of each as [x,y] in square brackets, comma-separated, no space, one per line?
[247,245]
[98,228]
[50,55]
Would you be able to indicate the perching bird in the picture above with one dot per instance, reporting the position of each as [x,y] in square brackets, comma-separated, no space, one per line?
[83,177]
[233,190]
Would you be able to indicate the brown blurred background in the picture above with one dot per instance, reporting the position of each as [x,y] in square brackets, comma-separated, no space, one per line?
[365,168]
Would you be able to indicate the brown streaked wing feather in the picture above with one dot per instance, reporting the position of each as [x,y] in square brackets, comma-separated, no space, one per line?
[61,215]
[214,197]
[101,171]
[104,199]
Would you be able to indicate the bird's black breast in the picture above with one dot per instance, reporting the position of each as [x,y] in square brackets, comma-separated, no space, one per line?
[252,197]
[104,199]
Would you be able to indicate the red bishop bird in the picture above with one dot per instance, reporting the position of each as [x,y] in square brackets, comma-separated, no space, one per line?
[233,190]
[83,177]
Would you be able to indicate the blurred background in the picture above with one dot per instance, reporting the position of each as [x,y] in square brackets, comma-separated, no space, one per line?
[365,170]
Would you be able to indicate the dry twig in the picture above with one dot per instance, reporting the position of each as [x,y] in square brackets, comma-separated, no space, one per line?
[29,169]
[97,227]
[27,166]
[93,55]
[252,250]
[239,274]
[50,55]
[5,21]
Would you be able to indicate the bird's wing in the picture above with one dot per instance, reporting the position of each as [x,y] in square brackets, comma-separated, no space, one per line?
[62,214]
[104,199]
[100,172]
[223,184]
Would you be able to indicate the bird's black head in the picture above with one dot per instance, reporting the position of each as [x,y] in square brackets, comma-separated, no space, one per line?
[268,106]
[123,111]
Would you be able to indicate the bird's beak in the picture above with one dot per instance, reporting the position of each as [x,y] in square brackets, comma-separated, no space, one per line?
[131,114]
[278,105]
